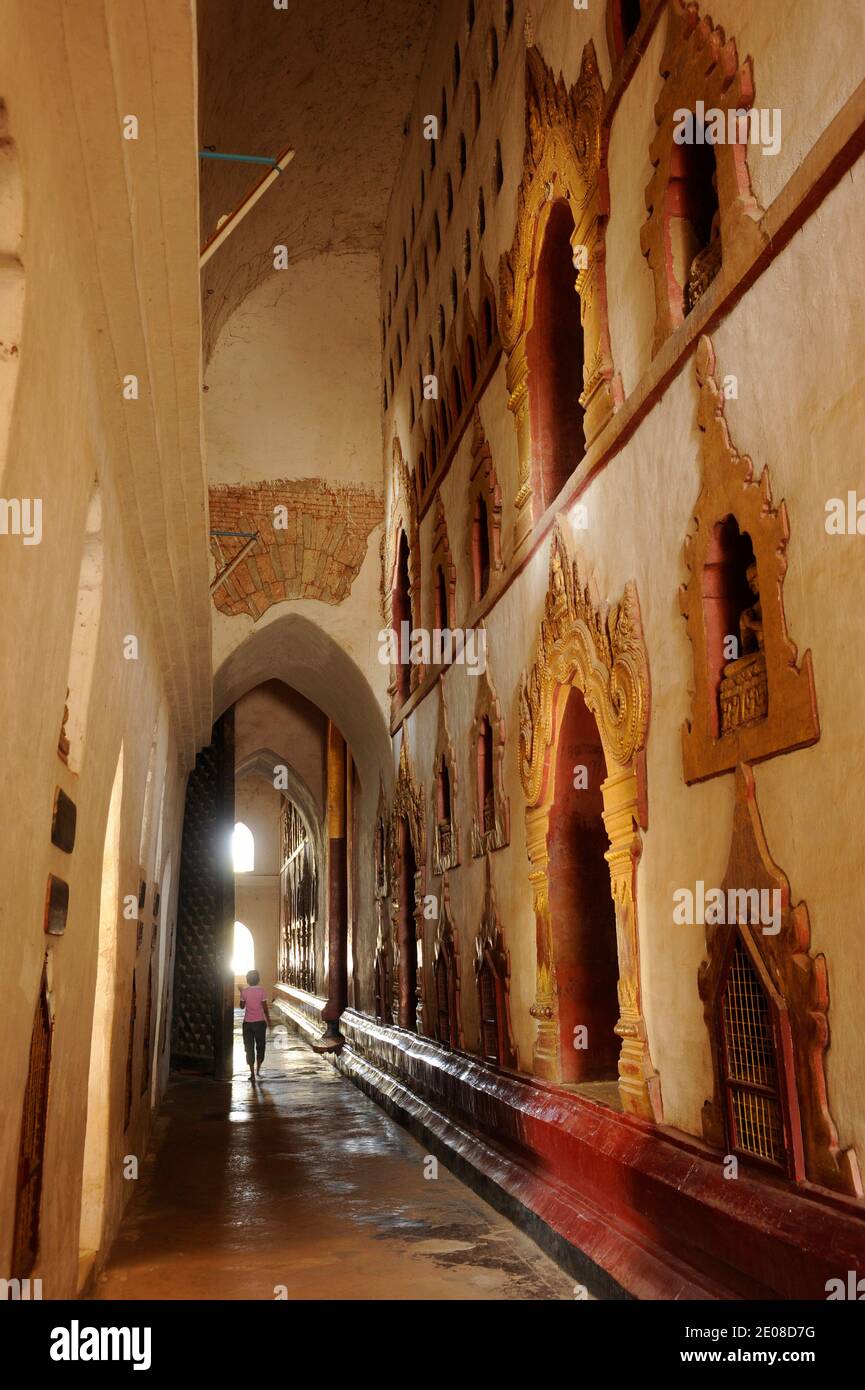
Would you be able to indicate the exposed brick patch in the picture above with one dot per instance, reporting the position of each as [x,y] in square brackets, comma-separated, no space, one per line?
[314,551]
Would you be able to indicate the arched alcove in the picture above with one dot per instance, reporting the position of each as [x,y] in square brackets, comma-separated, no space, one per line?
[555,360]
[480,548]
[597,651]
[692,221]
[582,913]
[727,594]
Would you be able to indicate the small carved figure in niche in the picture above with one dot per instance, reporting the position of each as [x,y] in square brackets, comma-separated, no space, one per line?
[705,265]
[751,621]
[744,692]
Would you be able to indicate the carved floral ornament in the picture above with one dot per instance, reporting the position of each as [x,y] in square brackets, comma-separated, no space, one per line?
[491,821]
[484,483]
[442,559]
[408,804]
[698,64]
[598,649]
[562,161]
[767,698]
[401,518]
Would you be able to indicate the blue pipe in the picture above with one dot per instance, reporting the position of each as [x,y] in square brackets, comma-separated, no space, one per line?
[243,158]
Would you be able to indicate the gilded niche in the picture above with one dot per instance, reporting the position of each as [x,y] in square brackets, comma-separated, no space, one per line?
[563,192]
[401,520]
[408,809]
[562,154]
[493,983]
[751,697]
[491,822]
[446,835]
[595,645]
[700,64]
[598,649]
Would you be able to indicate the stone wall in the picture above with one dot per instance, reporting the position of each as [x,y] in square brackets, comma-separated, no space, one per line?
[629,506]
[122,545]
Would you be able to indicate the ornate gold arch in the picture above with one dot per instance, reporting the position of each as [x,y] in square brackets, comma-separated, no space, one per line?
[562,159]
[600,650]
[408,804]
[402,515]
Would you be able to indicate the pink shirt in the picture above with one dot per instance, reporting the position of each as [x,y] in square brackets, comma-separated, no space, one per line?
[253,996]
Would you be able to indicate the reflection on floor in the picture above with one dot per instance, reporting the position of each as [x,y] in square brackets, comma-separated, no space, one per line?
[303,1188]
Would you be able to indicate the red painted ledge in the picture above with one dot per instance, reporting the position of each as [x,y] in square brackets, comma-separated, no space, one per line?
[647,1208]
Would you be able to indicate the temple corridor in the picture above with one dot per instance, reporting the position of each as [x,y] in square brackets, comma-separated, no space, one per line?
[304,1182]
[432,482]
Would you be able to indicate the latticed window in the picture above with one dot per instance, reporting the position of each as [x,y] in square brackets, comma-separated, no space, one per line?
[298,901]
[752,1080]
[31,1150]
[489,1002]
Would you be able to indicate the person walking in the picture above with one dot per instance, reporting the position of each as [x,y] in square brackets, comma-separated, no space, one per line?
[256,1021]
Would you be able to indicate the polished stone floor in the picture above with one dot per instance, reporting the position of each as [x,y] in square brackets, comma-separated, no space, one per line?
[303,1188]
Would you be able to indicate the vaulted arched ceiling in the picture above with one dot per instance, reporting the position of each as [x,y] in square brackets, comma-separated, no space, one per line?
[333,78]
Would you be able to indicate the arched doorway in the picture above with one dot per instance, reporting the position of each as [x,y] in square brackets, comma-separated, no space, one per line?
[582,912]
[592,654]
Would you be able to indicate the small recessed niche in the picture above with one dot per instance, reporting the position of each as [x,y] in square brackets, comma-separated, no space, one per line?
[156,901]
[142,893]
[139,935]
[63,822]
[56,906]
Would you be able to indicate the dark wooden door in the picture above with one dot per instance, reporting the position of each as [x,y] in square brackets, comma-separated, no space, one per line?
[202,1017]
